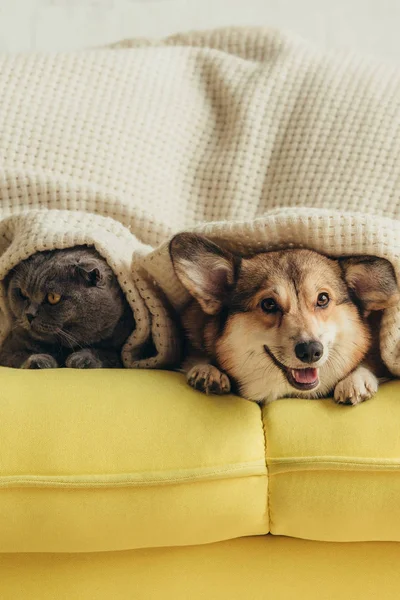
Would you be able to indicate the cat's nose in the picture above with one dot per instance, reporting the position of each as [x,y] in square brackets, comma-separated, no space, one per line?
[30,317]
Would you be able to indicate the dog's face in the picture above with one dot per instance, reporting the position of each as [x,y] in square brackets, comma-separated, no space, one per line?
[287,323]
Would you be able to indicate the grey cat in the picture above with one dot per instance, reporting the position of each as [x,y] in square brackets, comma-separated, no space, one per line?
[68,310]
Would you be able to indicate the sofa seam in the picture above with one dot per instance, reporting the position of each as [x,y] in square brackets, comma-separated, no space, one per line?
[278,467]
[72,481]
[264,430]
[329,458]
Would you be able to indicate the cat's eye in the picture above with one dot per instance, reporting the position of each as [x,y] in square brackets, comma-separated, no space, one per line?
[53,298]
[21,294]
[323,300]
[269,305]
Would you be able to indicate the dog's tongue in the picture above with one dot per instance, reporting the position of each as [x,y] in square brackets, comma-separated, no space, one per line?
[305,375]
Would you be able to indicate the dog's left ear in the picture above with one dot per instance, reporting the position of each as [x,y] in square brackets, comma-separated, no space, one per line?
[207,271]
[372,280]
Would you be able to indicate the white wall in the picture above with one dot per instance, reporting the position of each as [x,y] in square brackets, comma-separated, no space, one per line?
[370,26]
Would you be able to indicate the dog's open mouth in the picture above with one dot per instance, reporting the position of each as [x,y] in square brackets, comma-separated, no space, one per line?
[301,379]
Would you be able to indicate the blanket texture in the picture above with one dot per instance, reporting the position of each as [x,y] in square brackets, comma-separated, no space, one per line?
[248,135]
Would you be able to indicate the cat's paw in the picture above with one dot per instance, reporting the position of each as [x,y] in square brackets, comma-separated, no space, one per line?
[40,361]
[355,388]
[207,378]
[83,359]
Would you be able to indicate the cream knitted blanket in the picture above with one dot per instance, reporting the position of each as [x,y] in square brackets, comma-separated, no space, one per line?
[249,135]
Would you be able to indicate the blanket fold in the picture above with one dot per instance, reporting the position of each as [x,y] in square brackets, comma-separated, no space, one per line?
[248,135]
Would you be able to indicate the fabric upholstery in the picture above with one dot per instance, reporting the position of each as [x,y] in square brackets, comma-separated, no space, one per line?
[258,568]
[125,459]
[121,459]
[334,472]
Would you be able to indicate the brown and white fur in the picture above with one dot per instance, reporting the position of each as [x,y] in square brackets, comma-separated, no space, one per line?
[290,323]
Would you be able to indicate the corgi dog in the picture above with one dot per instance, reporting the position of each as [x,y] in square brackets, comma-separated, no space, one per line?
[288,323]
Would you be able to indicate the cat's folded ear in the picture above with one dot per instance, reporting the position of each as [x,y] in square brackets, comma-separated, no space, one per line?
[92,272]
[207,271]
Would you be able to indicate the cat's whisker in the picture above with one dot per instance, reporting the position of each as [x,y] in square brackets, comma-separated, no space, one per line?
[17,325]
[63,336]
[69,338]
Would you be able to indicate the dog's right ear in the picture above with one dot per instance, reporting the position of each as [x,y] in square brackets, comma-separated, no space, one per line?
[372,280]
[204,269]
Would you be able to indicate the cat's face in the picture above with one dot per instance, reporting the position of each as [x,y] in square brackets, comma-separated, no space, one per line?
[70,297]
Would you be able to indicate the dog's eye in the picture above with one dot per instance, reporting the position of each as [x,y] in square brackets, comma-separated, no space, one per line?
[323,300]
[269,305]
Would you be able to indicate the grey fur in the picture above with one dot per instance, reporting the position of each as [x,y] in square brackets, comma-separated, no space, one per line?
[86,329]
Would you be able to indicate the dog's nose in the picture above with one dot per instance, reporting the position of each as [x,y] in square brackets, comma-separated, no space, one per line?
[309,352]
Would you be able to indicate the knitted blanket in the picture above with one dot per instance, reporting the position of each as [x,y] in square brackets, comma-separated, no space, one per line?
[249,135]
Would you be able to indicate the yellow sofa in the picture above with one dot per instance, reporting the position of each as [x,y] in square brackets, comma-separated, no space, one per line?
[128,484]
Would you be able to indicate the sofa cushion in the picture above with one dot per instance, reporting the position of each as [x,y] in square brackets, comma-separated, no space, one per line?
[334,471]
[122,459]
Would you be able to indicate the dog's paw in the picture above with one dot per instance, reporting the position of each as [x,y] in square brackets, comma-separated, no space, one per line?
[358,386]
[208,379]
[40,361]
[83,359]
